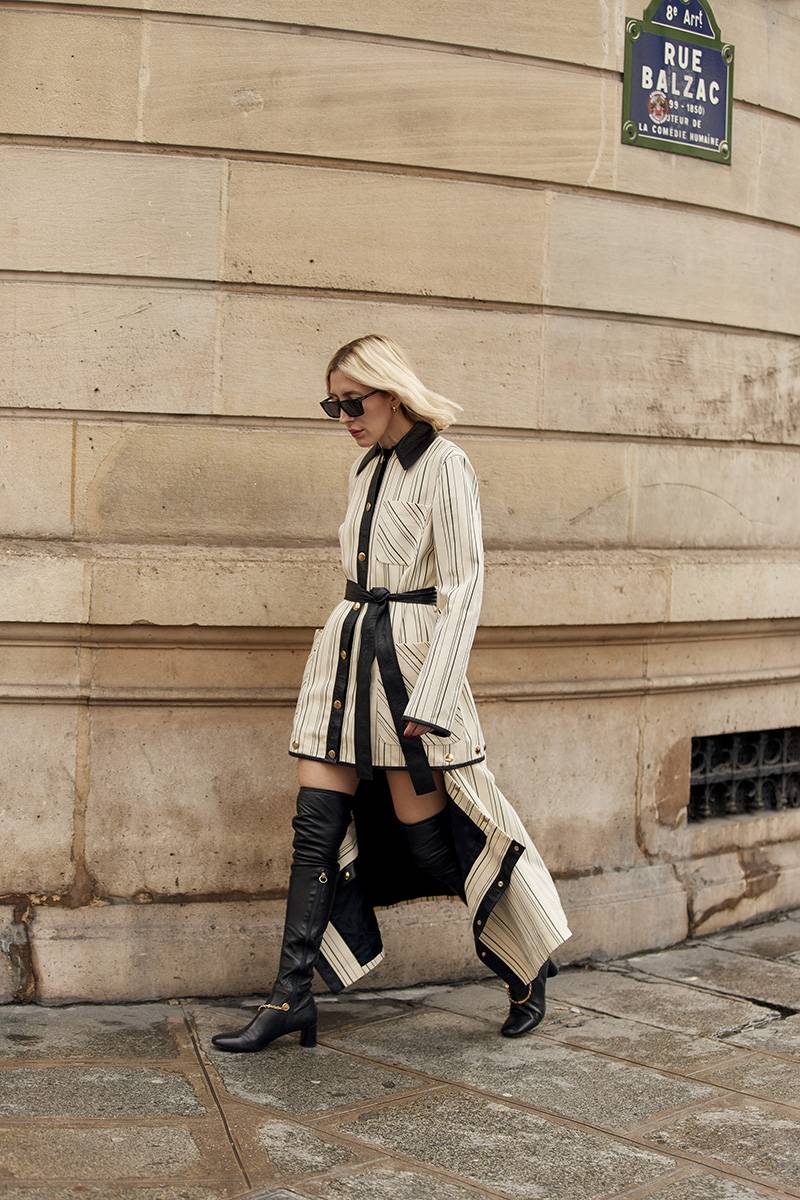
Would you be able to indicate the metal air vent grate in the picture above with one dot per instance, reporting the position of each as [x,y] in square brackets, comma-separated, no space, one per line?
[739,773]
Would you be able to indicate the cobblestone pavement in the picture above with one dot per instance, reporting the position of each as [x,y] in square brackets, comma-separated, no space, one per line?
[673,1075]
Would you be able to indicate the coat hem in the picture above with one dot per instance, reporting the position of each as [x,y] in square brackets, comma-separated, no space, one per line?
[341,762]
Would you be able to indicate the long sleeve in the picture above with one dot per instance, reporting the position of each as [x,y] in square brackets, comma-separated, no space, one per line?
[458,550]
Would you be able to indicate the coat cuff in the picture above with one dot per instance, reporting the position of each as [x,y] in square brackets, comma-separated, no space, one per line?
[439,729]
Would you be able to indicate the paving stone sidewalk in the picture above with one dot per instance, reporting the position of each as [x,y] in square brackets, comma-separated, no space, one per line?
[673,1075]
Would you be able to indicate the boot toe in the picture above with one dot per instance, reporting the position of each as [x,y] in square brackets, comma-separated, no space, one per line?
[519,1022]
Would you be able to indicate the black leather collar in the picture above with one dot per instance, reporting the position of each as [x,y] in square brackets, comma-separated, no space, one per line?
[411,445]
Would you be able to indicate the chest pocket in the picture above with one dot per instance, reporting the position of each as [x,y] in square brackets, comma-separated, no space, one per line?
[398,530]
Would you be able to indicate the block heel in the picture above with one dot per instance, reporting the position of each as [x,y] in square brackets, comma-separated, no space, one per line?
[308,1036]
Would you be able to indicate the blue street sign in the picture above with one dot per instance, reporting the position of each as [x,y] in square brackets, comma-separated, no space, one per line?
[678,81]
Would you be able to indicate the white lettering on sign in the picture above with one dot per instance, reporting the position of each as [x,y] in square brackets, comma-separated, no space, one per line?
[696,63]
[689,60]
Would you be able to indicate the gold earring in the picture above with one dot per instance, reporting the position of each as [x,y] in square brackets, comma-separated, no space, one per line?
[394,408]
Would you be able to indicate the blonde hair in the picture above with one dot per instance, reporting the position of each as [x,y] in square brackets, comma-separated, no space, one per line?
[379,362]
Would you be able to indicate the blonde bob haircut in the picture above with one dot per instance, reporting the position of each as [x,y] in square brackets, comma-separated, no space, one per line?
[378,362]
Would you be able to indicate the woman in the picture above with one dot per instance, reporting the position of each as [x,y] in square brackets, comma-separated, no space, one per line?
[395,801]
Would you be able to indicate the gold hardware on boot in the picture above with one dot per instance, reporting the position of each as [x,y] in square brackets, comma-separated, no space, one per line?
[280,1007]
[524,999]
[323,878]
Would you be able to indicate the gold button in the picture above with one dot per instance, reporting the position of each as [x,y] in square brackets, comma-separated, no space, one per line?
[448,758]
[342,654]
[500,883]
[331,754]
[361,556]
[477,749]
[357,605]
[369,505]
[295,745]
[347,874]
[337,704]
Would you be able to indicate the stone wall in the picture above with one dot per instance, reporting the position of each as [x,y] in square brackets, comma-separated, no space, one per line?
[201,199]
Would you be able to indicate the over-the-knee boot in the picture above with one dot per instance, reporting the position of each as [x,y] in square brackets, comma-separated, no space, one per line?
[527,1004]
[321,822]
[430,842]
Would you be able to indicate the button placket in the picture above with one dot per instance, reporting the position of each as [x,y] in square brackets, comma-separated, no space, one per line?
[364,529]
[336,720]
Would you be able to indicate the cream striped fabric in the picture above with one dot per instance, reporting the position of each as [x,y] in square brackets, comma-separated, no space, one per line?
[426,531]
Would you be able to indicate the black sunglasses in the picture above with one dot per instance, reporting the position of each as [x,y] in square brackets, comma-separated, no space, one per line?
[354,406]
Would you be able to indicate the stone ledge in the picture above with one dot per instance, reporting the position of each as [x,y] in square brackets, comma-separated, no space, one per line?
[293,586]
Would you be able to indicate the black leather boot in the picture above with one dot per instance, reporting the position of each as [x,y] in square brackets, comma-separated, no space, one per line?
[430,842]
[527,1005]
[320,824]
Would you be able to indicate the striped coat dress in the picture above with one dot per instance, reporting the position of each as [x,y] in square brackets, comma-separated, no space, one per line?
[396,649]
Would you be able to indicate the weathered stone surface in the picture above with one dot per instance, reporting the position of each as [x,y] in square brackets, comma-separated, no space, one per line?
[160,212]
[779,1037]
[109,347]
[42,586]
[148,951]
[486,1001]
[773,939]
[665,1005]
[144,951]
[87,1153]
[87,1091]
[252,88]
[358,1008]
[320,228]
[13,956]
[69,73]
[37,766]
[757,1075]
[289,339]
[590,264]
[727,880]
[724,971]
[315,1081]
[515,1152]
[85,1031]
[733,381]
[590,33]
[703,1186]
[105,1191]
[554,1077]
[387,1182]
[633,1041]
[759,1137]
[714,496]
[35,462]
[610,909]
[165,782]
[200,483]
[296,1150]
[170,585]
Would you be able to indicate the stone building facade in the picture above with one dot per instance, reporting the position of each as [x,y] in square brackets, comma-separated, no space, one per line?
[201,199]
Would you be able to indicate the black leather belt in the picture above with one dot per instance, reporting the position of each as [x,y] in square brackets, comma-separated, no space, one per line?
[377,642]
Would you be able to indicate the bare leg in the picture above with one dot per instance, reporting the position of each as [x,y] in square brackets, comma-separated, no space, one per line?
[326,775]
[408,806]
